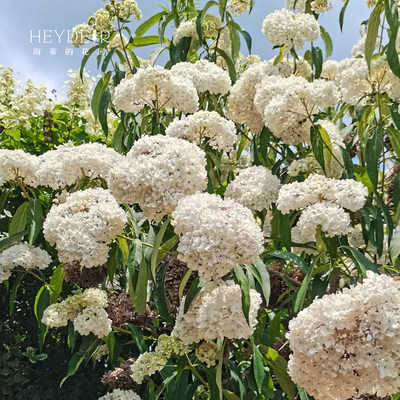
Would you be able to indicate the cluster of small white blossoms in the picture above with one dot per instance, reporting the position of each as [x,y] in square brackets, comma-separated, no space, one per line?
[350,341]
[30,100]
[23,256]
[323,200]
[318,6]
[80,33]
[79,90]
[208,126]
[150,362]
[284,28]
[287,105]
[127,9]
[100,21]
[158,171]
[119,42]
[86,310]
[119,394]
[255,187]
[205,76]
[292,66]
[7,86]
[333,167]
[330,69]
[216,312]
[67,164]
[17,165]
[240,106]
[238,7]
[207,352]
[216,234]
[156,87]
[92,216]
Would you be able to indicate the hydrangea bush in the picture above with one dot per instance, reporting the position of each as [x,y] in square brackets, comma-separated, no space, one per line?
[220,226]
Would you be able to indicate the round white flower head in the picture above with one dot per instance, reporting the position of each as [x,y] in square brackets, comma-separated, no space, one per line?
[207,352]
[147,364]
[186,29]
[119,394]
[205,75]
[23,256]
[292,66]
[157,173]
[346,193]
[238,7]
[17,165]
[216,312]
[332,219]
[255,188]
[93,320]
[171,345]
[207,126]
[118,42]
[83,226]
[284,28]
[287,104]
[80,33]
[67,164]
[216,234]
[330,70]
[156,87]
[240,107]
[350,341]
[58,314]
[129,8]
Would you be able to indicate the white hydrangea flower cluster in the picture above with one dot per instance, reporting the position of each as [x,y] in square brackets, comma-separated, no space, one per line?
[79,90]
[82,227]
[219,132]
[241,107]
[159,171]
[286,105]
[330,69]
[205,75]
[306,164]
[238,7]
[67,164]
[171,345]
[156,87]
[255,187]
[186,29]
[318,6]
[23,256]
[323,199]
[119,42]
[80,33]
[292,66]
[207,352]
[17,165]
[216,234]
[349,341]
[284,28]
[7,87]
[217,312]
[119,394]
[147,364]
[128,8]
[101,22]
[86,310]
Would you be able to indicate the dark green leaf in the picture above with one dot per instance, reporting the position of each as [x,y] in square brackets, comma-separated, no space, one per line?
[56,282]
[73,365]
[138,338]
[258,366]
[247,38]
[342,12]
[100,88]
[229,63]
[360,261]
[159,293]
[394,248]
[285,230]
[373,151]
[192,293]
[146,25]
[348,164]
[285,255]
[317,59]
[141,288]
[19,220]
[156,247]
[260,272]
[4,243]
[327,41]
[34,220]
[372,34]
[86,58]
[244,287]
[317,146]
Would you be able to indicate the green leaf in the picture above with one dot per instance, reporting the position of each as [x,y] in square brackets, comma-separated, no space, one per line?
[34,220]
[392,55]
[42,301]
[326,140]
[260,272]
[279,367]
[99,90]
[392,14]
[14,133]
[123,245]
[141,288]
[394,137]
[200,17]
[248,40]
[138,338]
[86,58]
[183,283]
[13,294]
[73,365]
[317,59]
[167,246]
[394,248]
[360,261]
[327,41]
[373,151]
[3,198]
[342,12]
[19,220]
[229,395]
[148,40]
[56,282]
[396,191]
[302,292]
[192,293]
[229,63]
[218,375]
[258,366]
[146,25]
[159,293]
[7,242]
[317,146]
[372,34]
[244,287]
[285,255]
[285,230]
[348,164]
[156,247]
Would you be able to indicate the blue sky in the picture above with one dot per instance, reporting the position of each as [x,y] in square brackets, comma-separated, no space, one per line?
[17,45]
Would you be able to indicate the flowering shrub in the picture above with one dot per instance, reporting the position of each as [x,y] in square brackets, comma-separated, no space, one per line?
[217,227]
